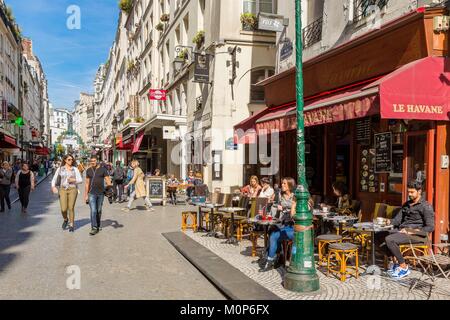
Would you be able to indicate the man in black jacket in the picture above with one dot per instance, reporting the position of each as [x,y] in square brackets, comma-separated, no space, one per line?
[414,223]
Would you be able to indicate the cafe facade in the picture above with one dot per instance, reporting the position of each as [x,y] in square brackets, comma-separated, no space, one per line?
[376,115]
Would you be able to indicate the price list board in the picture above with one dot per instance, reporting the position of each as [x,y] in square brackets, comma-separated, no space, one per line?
[363,131]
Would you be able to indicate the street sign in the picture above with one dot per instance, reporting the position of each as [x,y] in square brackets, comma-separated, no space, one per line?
[169,133]
[157,94]
[287,49]
[269,22]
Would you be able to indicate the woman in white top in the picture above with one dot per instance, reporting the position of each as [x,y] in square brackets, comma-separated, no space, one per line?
[67,177]
[267,191]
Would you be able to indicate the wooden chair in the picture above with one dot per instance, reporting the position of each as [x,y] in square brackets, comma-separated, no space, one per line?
[185,217]
[323,242]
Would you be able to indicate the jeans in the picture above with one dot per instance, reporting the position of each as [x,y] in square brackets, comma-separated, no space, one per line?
[118,189]
[133,197]
[24,196]
[285,233]
[96,204]
[4,196]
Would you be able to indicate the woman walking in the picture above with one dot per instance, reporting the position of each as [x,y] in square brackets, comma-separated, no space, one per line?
[6,179]
[67,177]
[25,184]
[140,191]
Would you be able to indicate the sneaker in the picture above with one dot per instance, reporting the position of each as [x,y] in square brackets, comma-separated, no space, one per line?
[400,273]
[392,268]
[94,231]
[126,209]
[150,209]
[65,224]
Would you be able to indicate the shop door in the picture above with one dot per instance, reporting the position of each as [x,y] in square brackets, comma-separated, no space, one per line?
[418,162]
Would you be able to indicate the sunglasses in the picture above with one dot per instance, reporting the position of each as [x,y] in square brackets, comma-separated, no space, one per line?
[69,160]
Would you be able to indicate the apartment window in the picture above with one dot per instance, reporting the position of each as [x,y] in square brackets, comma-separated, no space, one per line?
[364,8]
[258,75]
[257,6]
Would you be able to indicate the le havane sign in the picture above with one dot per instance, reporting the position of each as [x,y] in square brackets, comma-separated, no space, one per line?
[383,152]
[417,108]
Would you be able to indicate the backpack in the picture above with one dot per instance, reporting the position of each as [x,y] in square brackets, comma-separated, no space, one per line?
[130,174]
[119,174]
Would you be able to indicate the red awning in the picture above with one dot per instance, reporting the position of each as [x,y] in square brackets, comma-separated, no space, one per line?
[138,143]
[8,142]
[42,151]
[419,90]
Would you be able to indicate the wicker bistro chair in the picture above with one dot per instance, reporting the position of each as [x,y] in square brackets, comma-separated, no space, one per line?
[224,217]
[432,265]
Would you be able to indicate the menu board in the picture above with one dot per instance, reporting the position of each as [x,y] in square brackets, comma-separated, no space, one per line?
[363,131]
[368,180]
[383,152]
[156,187]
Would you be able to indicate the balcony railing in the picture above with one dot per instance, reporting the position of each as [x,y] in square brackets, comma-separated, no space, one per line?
[312,33]
[364,8]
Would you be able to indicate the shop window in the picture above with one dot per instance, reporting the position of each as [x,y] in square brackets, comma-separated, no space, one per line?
[257,92]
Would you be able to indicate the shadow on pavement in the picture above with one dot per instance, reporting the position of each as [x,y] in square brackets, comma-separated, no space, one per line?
[111,223]
[13,223]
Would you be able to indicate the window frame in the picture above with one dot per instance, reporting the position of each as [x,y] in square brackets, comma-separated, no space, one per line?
[258,6]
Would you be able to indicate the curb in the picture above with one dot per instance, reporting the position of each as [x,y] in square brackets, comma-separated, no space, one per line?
[42,180]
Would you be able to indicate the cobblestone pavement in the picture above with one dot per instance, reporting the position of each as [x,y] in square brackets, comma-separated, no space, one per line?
[129,259]
[363,288]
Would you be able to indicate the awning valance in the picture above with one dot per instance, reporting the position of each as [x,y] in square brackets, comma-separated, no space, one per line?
[7,142]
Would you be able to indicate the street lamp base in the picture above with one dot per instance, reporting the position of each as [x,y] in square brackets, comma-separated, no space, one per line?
[301,282]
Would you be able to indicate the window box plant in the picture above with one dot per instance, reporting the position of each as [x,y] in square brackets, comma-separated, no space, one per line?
[249,21]
[126,6]
[199,38]
[160,27]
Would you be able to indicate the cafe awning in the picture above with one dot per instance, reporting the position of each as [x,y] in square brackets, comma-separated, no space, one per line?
[138,143]
[42,151]
[419,90]
[7,142]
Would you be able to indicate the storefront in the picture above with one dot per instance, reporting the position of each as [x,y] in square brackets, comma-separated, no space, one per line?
[376,116]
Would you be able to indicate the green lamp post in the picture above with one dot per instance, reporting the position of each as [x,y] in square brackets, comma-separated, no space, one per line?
[301,275]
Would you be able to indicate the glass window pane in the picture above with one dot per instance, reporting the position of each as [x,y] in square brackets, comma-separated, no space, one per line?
[250,6]
[266,6]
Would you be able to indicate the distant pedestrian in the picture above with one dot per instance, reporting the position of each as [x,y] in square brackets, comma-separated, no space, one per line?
[172,187]
[157,173]
[118,181]
[25,183]
[17,166]
[67,177]
[140,190]
[130,174]
[6,179]
[94,194]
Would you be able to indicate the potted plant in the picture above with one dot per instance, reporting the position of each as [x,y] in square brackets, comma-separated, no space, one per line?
[160,27]
[165,17]
[130,66]
[249,21]
[199,38]
[128,121]
[126,6]
[183,55]
[140,120]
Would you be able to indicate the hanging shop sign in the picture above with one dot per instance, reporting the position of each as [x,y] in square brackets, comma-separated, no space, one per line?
[157,94]
[270,22]
[287,49]
[230,144]
[201,68]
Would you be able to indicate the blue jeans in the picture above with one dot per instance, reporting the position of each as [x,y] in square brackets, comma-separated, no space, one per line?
[96,204]
[285,233]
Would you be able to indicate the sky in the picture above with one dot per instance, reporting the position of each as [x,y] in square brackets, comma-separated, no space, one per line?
[70,57]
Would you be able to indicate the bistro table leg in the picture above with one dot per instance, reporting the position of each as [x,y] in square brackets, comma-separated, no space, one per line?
[212,232]
[232,239]
[372,269]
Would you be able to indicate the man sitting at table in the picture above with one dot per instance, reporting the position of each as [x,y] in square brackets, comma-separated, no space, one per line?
[414,223]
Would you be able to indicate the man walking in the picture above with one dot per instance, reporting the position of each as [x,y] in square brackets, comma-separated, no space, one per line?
[118,180]
[96,178]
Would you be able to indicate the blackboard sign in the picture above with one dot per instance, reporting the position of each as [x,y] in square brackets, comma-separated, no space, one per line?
[363,131]
[383,152]
[156,188]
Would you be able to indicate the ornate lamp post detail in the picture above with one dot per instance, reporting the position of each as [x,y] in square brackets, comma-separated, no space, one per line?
[301,275]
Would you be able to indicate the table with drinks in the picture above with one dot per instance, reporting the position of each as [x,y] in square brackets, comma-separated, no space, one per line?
[266,221]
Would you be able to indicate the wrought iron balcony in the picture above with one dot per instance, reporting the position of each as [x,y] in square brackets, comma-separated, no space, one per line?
[364,8]
[312,33]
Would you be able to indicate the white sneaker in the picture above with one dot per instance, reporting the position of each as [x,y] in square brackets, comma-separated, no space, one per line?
[126,209]
[150,209]
[400,273]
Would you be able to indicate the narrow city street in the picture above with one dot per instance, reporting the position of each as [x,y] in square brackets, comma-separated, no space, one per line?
[129,259]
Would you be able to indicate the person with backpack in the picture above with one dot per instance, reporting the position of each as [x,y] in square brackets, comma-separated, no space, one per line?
[6,179]
[67,178]
[25,183]
[130,174]
[118,182]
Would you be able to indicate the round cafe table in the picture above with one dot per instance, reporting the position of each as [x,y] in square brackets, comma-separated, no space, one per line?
[212,207]
[232,239]
[372,228]
[341,220]
[266,224]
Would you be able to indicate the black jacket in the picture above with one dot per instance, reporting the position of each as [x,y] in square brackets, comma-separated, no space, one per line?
[418,216]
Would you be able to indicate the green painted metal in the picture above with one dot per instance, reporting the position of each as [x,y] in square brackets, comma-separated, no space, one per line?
[301,275]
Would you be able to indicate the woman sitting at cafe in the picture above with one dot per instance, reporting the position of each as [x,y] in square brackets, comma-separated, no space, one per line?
[343,205]
[285,231]
[266,190]
[253,189]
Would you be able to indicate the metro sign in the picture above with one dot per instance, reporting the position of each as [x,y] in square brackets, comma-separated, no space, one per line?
[156,94]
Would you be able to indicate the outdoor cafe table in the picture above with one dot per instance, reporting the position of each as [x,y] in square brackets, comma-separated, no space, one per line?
[320,215]
[232,239]
[266,224]
[341,220]
[372,228]
[212,207]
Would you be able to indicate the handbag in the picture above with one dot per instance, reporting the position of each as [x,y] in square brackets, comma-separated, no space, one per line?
[58,179]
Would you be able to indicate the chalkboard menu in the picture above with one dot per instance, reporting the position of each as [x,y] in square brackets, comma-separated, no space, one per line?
[363,131]
[368,180]
[383,152]
[156,188]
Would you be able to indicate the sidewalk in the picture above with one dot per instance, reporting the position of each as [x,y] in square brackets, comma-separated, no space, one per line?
[14,196]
